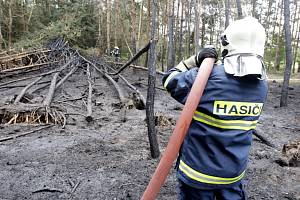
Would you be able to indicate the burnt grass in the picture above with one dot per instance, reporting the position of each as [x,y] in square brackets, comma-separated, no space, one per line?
[109,158]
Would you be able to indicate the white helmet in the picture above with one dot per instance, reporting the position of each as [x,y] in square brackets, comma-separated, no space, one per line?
[243,44]
[116,47]
[244,36]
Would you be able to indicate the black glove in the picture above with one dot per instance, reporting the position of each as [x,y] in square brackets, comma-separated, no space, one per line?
[208,52]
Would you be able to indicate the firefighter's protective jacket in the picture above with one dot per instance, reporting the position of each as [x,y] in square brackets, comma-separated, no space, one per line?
[215,151]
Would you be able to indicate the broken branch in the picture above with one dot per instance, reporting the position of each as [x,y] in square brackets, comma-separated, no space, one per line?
[263,139]
[75,187]
[48,190]
[89,117]
[23,134]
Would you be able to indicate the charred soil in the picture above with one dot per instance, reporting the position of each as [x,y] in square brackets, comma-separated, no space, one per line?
[109,157]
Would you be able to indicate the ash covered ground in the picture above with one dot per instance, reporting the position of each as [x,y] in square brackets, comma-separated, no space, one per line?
[109,158]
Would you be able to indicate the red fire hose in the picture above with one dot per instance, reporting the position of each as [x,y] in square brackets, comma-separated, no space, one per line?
[180,131]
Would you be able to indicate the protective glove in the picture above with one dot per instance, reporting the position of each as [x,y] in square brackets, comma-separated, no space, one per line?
[207,52]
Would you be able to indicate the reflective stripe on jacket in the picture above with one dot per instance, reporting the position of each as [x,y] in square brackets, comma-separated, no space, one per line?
[215,151]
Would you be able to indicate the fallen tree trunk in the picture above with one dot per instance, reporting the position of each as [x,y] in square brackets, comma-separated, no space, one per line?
[120,92]
[52,87]
[19,97]
[144,68]
[115,84]
[66,77]
[40,88]
[18,108]
[136,67]
[23,54]
[50,95]
[145,84]
[23,85]
[26,78]
[26,67]
[139,100]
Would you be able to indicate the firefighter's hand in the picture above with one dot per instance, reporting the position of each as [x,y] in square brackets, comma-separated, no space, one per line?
[208,52]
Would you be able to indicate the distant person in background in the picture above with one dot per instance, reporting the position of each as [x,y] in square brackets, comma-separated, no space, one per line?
[214,155]
[116,53]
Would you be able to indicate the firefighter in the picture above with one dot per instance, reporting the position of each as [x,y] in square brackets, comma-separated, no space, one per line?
[116,53]
[213,157]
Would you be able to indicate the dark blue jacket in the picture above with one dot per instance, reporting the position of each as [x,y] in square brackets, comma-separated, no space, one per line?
[215,151]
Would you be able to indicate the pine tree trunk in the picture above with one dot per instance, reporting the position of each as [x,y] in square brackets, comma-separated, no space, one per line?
[1,21]
[10,20]
[48,8]
[23,16]
[197,8]
[254,13]
[227,9]
[268,14]
[133,27]
[288,54]
[108,26]
[203,30]
[188,18]
[180,48]
[269,57]
[160,35]
[267,23]
[99,37]
[149,18]
[171,52]
[176,31]
[212,32]
[164,24]
[154,148]
[296,35]
[277,55]
[294,19]
[239,9]
[296,53]
[30,15]
[117,21]
[140,24]
[220,29]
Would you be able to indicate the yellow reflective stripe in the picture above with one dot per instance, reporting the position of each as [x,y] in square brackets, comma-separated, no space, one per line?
[225,121]
[170,77]
[225,124]
[204,178]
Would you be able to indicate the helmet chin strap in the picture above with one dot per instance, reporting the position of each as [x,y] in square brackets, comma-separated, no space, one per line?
[224,43]
[224,40]
[224,53]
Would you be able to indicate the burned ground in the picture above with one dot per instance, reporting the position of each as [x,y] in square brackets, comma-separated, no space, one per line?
[109,157]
